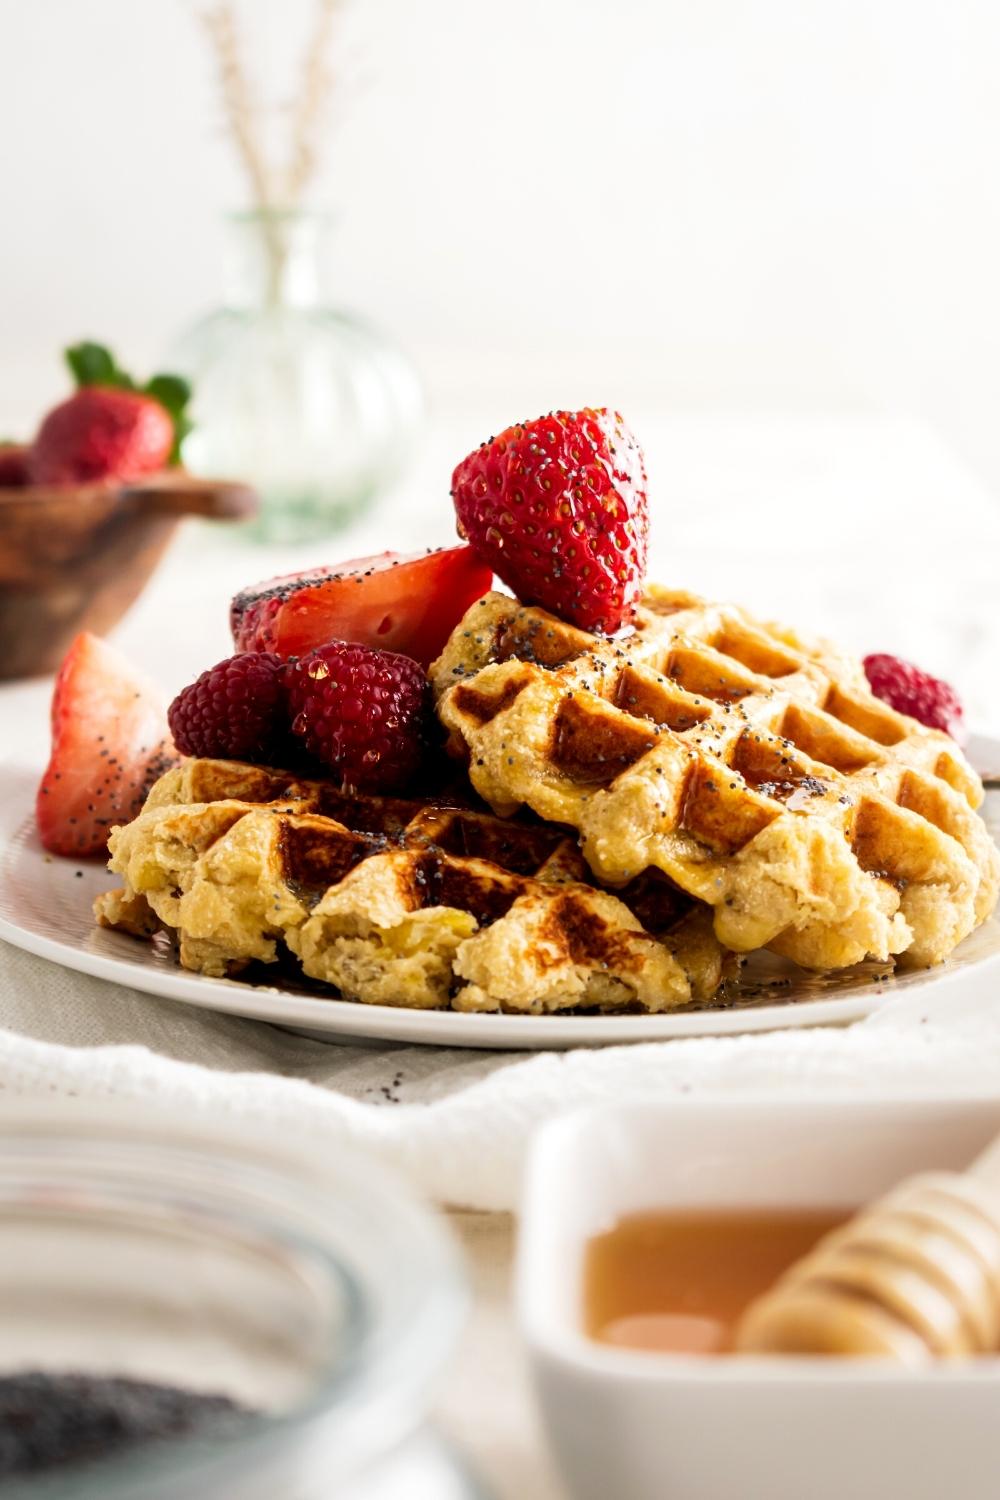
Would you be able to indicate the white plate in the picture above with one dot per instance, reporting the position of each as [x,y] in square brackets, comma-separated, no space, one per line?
[45,907]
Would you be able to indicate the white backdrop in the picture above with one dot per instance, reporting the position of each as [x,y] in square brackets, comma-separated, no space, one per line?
[737,203]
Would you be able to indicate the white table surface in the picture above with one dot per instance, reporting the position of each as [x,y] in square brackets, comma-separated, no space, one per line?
[861,527]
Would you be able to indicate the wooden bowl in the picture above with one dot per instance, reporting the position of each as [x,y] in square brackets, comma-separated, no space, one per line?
[74,557]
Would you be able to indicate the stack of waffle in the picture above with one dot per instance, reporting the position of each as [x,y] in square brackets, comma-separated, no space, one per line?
[700,786]
[398,902]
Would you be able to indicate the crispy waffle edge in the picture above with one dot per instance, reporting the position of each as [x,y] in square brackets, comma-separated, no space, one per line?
[751,766]
[396,901]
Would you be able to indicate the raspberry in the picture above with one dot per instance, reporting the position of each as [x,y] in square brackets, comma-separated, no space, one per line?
[236,710]
[910,691]
[361,711]
[558,508]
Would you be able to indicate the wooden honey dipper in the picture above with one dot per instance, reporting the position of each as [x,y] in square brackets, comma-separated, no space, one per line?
[913,1278]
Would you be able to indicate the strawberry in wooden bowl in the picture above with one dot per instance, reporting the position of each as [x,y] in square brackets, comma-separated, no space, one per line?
[88,507]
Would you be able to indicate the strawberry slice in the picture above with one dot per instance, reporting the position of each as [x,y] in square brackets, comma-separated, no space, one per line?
[404,604]
[109,744]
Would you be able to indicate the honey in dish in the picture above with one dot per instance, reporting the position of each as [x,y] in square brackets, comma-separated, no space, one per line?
[677,1282]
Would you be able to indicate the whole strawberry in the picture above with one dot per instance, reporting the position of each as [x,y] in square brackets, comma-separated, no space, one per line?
[910,691]
[362,712]
[237,710]
[101,434]
[558,508]
[110,429]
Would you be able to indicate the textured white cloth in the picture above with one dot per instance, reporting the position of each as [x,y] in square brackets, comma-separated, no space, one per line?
[456,1122]
[784,516]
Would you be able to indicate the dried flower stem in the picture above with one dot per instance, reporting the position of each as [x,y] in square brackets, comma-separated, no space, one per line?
[241,107]
[311,103]
[273,193]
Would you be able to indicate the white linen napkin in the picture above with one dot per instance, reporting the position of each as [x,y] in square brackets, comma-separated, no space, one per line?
[456,1122]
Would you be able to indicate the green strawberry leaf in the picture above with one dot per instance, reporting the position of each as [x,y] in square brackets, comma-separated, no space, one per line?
[91,364]
[174,393]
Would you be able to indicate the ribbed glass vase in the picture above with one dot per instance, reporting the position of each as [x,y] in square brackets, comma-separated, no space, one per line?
[307,402]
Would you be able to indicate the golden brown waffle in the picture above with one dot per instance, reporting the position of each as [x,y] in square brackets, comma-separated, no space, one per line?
[397,902]
[752,767]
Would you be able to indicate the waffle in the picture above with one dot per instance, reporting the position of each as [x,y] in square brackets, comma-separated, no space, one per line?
[752,767]
[397,902]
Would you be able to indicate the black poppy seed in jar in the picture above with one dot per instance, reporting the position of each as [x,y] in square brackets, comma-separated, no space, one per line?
[55,1420]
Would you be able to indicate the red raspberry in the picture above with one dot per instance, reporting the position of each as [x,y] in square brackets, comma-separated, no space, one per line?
[558,508]
[910,691]
[361,711]
[237,710]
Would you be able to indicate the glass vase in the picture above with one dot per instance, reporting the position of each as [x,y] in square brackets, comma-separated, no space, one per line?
[308,403]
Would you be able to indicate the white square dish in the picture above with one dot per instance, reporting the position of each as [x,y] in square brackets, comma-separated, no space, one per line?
[631,1425]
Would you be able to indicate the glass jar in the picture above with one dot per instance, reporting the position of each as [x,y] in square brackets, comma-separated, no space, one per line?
[300,1282]
[309,404]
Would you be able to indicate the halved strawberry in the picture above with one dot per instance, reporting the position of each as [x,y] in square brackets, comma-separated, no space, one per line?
[109,743]
[404,604]
[558,507]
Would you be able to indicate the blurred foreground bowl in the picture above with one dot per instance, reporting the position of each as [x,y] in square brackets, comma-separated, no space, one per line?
[301,1281]
[74,557]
